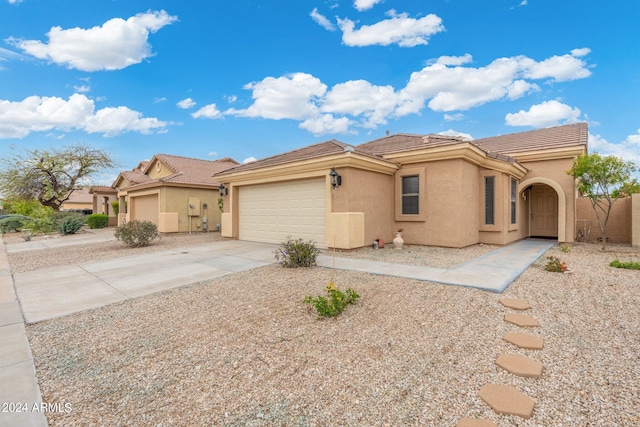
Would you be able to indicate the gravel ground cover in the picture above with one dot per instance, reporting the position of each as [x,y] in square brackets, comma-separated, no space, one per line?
[244,351]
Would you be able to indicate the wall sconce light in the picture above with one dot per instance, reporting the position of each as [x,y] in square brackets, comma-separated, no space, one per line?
[336,179]
[223,190]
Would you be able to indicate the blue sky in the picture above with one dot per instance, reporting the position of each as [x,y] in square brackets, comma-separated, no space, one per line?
[250,79]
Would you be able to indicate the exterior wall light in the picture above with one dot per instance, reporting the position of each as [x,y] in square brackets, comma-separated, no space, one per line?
[336,179]
[223,190]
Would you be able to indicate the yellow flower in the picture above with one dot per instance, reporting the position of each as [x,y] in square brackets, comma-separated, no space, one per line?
[330,287]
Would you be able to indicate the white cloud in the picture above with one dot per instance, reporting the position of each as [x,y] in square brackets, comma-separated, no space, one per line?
[186,103]
[82,88]
[322,20]
[115,45]
[231,99]
[455,60]
[559,68]
[454,117]
[160,100]
[629,149]
[249,160]
[362,5]
[212,153]
[37,114]
[15,1]
[208,112]
[398,29]
[444,85]
[287,97]
[451,132]
[549,113]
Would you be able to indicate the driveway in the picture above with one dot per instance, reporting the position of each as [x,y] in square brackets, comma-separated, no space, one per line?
[59,291]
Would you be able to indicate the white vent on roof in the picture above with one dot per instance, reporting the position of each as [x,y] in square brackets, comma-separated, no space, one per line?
[348,148]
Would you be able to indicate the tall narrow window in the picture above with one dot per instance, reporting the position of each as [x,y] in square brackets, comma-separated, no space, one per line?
[514,199]
[489,192]
[410,195]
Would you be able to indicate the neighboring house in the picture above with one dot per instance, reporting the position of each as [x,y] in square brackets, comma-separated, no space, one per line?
[80,200]
[440,190]
[178,194]
[103,196]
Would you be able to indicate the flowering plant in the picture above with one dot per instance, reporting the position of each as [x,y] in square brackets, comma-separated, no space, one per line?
[555,265]
[335,301]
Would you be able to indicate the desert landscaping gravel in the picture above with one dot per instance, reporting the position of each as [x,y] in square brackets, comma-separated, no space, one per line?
[243,350]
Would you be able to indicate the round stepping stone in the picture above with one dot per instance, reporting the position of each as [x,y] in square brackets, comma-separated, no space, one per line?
[520,319]
[507,400]
[515,303]
[520,365]
[523,340]
[473,422]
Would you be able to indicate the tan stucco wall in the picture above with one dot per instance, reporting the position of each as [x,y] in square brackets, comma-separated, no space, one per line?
[635,220]
[452,197]
[370,193]
[175,200]
[556,171]
[153,171]
[618,227]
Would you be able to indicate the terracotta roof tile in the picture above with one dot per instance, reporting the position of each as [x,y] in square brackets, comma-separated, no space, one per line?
[80,195]
[309,152]
[102,189]
[540,139]
[406,142]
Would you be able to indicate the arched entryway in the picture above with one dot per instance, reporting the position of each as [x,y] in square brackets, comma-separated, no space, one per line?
[547,206]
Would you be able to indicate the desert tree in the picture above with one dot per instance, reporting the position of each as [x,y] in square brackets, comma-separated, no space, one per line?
[603,179]
[51,176]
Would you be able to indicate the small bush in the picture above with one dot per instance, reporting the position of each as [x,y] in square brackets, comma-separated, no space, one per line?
[116,207]
[555,265]
[334,303]
[137,233]
[69,222]
[297,253]
[10,224]
[629,265]
[41,225]
[97,220]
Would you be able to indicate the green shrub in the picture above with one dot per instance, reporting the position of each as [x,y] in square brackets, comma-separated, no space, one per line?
[555,265]
[116,207]
[44,225]
[334,303]
[297,253]
[70,222]
[97,220]
[137,233]
[629,265]
[10,224]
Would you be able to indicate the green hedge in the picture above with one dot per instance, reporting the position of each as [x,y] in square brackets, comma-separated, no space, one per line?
[97,220]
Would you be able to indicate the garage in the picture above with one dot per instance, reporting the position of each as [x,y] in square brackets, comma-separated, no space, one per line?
[145,208]
[270,212]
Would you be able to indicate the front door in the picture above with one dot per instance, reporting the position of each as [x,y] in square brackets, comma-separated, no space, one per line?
[544,211]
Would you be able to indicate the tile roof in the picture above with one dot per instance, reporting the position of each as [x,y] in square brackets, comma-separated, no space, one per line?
[80,195]
[135,176]
[187,170]
[406,142]
[539,139]
[309,152]
[102,189]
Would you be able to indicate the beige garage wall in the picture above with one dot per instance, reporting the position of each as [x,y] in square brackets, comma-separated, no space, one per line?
[176,201]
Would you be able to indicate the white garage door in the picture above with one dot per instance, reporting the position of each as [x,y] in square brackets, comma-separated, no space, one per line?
[271,212]
[145,208]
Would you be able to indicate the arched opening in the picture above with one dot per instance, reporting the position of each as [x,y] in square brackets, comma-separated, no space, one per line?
[547,206]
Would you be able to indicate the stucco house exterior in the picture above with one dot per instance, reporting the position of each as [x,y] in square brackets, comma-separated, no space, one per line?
[178,194]
[103,196]
[439,190]
[80,200]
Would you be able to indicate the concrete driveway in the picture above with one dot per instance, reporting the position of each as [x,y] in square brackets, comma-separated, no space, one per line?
[58,291]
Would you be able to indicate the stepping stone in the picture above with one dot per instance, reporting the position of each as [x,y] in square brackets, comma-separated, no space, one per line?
[523,340]
[473,422]
[507,400]
[515,303]
[520,319]
[519,365]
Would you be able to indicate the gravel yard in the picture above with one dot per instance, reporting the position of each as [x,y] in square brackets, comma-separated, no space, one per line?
[243,350]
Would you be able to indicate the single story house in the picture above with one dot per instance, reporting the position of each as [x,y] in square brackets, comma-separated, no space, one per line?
[178,194]
[103,196]
[439,190]
[80,200]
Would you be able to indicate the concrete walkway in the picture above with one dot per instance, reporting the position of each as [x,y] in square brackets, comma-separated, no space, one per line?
[491,272]
[53,292]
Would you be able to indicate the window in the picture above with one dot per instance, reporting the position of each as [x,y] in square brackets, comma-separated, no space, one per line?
[514,198]
[410,195]
[489,191]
